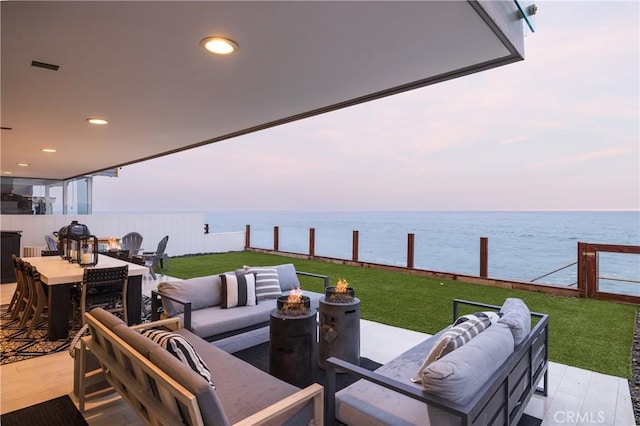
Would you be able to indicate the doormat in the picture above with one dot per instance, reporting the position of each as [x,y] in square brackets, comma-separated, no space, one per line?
[15,346]
[258,356]
[60,411]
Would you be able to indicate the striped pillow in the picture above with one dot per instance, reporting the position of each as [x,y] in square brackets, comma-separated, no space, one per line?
[180,347]
[453,338]
[493,317]
[238,289]
[267,282]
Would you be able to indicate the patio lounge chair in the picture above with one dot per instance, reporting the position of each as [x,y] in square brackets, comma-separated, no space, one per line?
[152,259]
[132,242]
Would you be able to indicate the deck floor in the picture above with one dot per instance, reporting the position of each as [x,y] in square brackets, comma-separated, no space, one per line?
[576,396]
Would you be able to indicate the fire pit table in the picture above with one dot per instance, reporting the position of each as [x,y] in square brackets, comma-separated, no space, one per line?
[339,326]
[292,341]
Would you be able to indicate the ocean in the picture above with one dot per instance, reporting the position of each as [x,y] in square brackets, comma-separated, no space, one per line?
[522,245]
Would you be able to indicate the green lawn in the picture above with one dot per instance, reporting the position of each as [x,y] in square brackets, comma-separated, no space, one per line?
[585,333]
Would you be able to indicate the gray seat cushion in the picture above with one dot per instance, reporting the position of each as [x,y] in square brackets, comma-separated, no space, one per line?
[249,390]
[214,320]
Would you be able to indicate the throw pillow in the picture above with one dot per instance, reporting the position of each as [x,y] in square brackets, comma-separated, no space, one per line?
[452,339]
[516,316]
[493,317]
[238,289]
[267,282]
[180,347]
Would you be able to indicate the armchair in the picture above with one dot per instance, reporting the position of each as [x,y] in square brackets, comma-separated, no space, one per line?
[152,259]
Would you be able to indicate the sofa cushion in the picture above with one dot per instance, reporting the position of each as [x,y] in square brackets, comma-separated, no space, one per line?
[463,373]
[106,318]
[179,347]
[202,292]
[258,389]
[238,289]
[267,282]
[134,339]
[453,338]
[210,406]
[287,276]
[516,316]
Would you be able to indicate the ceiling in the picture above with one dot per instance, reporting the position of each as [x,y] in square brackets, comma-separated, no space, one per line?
[140,66]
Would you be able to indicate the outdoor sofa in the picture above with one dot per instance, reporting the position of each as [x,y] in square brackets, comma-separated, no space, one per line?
[486,381]
[162,389]
[200,303]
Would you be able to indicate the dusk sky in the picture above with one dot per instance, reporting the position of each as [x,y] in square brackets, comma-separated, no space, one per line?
[557,131]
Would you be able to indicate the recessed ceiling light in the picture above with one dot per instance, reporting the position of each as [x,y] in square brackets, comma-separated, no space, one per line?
[24,164]
[95,120]
[219,45]
[7,173]
[49,150]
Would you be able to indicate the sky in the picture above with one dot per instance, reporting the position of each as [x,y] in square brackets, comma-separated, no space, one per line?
[557,131]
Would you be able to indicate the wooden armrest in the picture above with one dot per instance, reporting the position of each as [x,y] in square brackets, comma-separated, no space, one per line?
[312,392]
[325,278]
[172,323]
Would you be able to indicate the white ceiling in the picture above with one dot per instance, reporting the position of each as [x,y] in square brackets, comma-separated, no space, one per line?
[140,65]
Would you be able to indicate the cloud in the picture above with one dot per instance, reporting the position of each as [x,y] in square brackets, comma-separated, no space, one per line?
[614,151]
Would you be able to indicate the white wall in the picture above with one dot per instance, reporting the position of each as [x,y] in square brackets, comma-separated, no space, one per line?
[186,231]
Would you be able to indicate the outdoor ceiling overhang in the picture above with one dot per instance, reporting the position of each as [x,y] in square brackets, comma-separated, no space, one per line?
[140,66]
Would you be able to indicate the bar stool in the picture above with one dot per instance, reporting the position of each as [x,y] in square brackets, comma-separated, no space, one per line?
[16,299]
[38,303]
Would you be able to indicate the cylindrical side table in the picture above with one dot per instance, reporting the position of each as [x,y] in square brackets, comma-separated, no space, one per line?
[292,348]
[339,331]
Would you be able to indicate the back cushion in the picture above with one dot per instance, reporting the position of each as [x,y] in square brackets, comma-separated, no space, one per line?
[202,292]
[516,316]
[464,373]
[459,334]
[210,407]
[287,276]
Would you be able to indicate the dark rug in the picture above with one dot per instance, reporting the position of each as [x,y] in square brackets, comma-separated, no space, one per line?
[60,411]
[527,420]
[258,356]
[15,346]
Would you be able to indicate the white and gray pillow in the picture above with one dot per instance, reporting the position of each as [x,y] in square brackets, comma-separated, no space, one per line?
[180,347]
[267,282]
[455,337]
[238,289]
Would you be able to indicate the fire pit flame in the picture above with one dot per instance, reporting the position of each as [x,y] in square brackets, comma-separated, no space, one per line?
[340,293]
[342,285]
[295,304]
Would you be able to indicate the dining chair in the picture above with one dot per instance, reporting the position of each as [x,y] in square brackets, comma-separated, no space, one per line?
[101,287]
[132,242]
[153,259]
[16,300]
[39,302]
[29,297]
[23,298]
